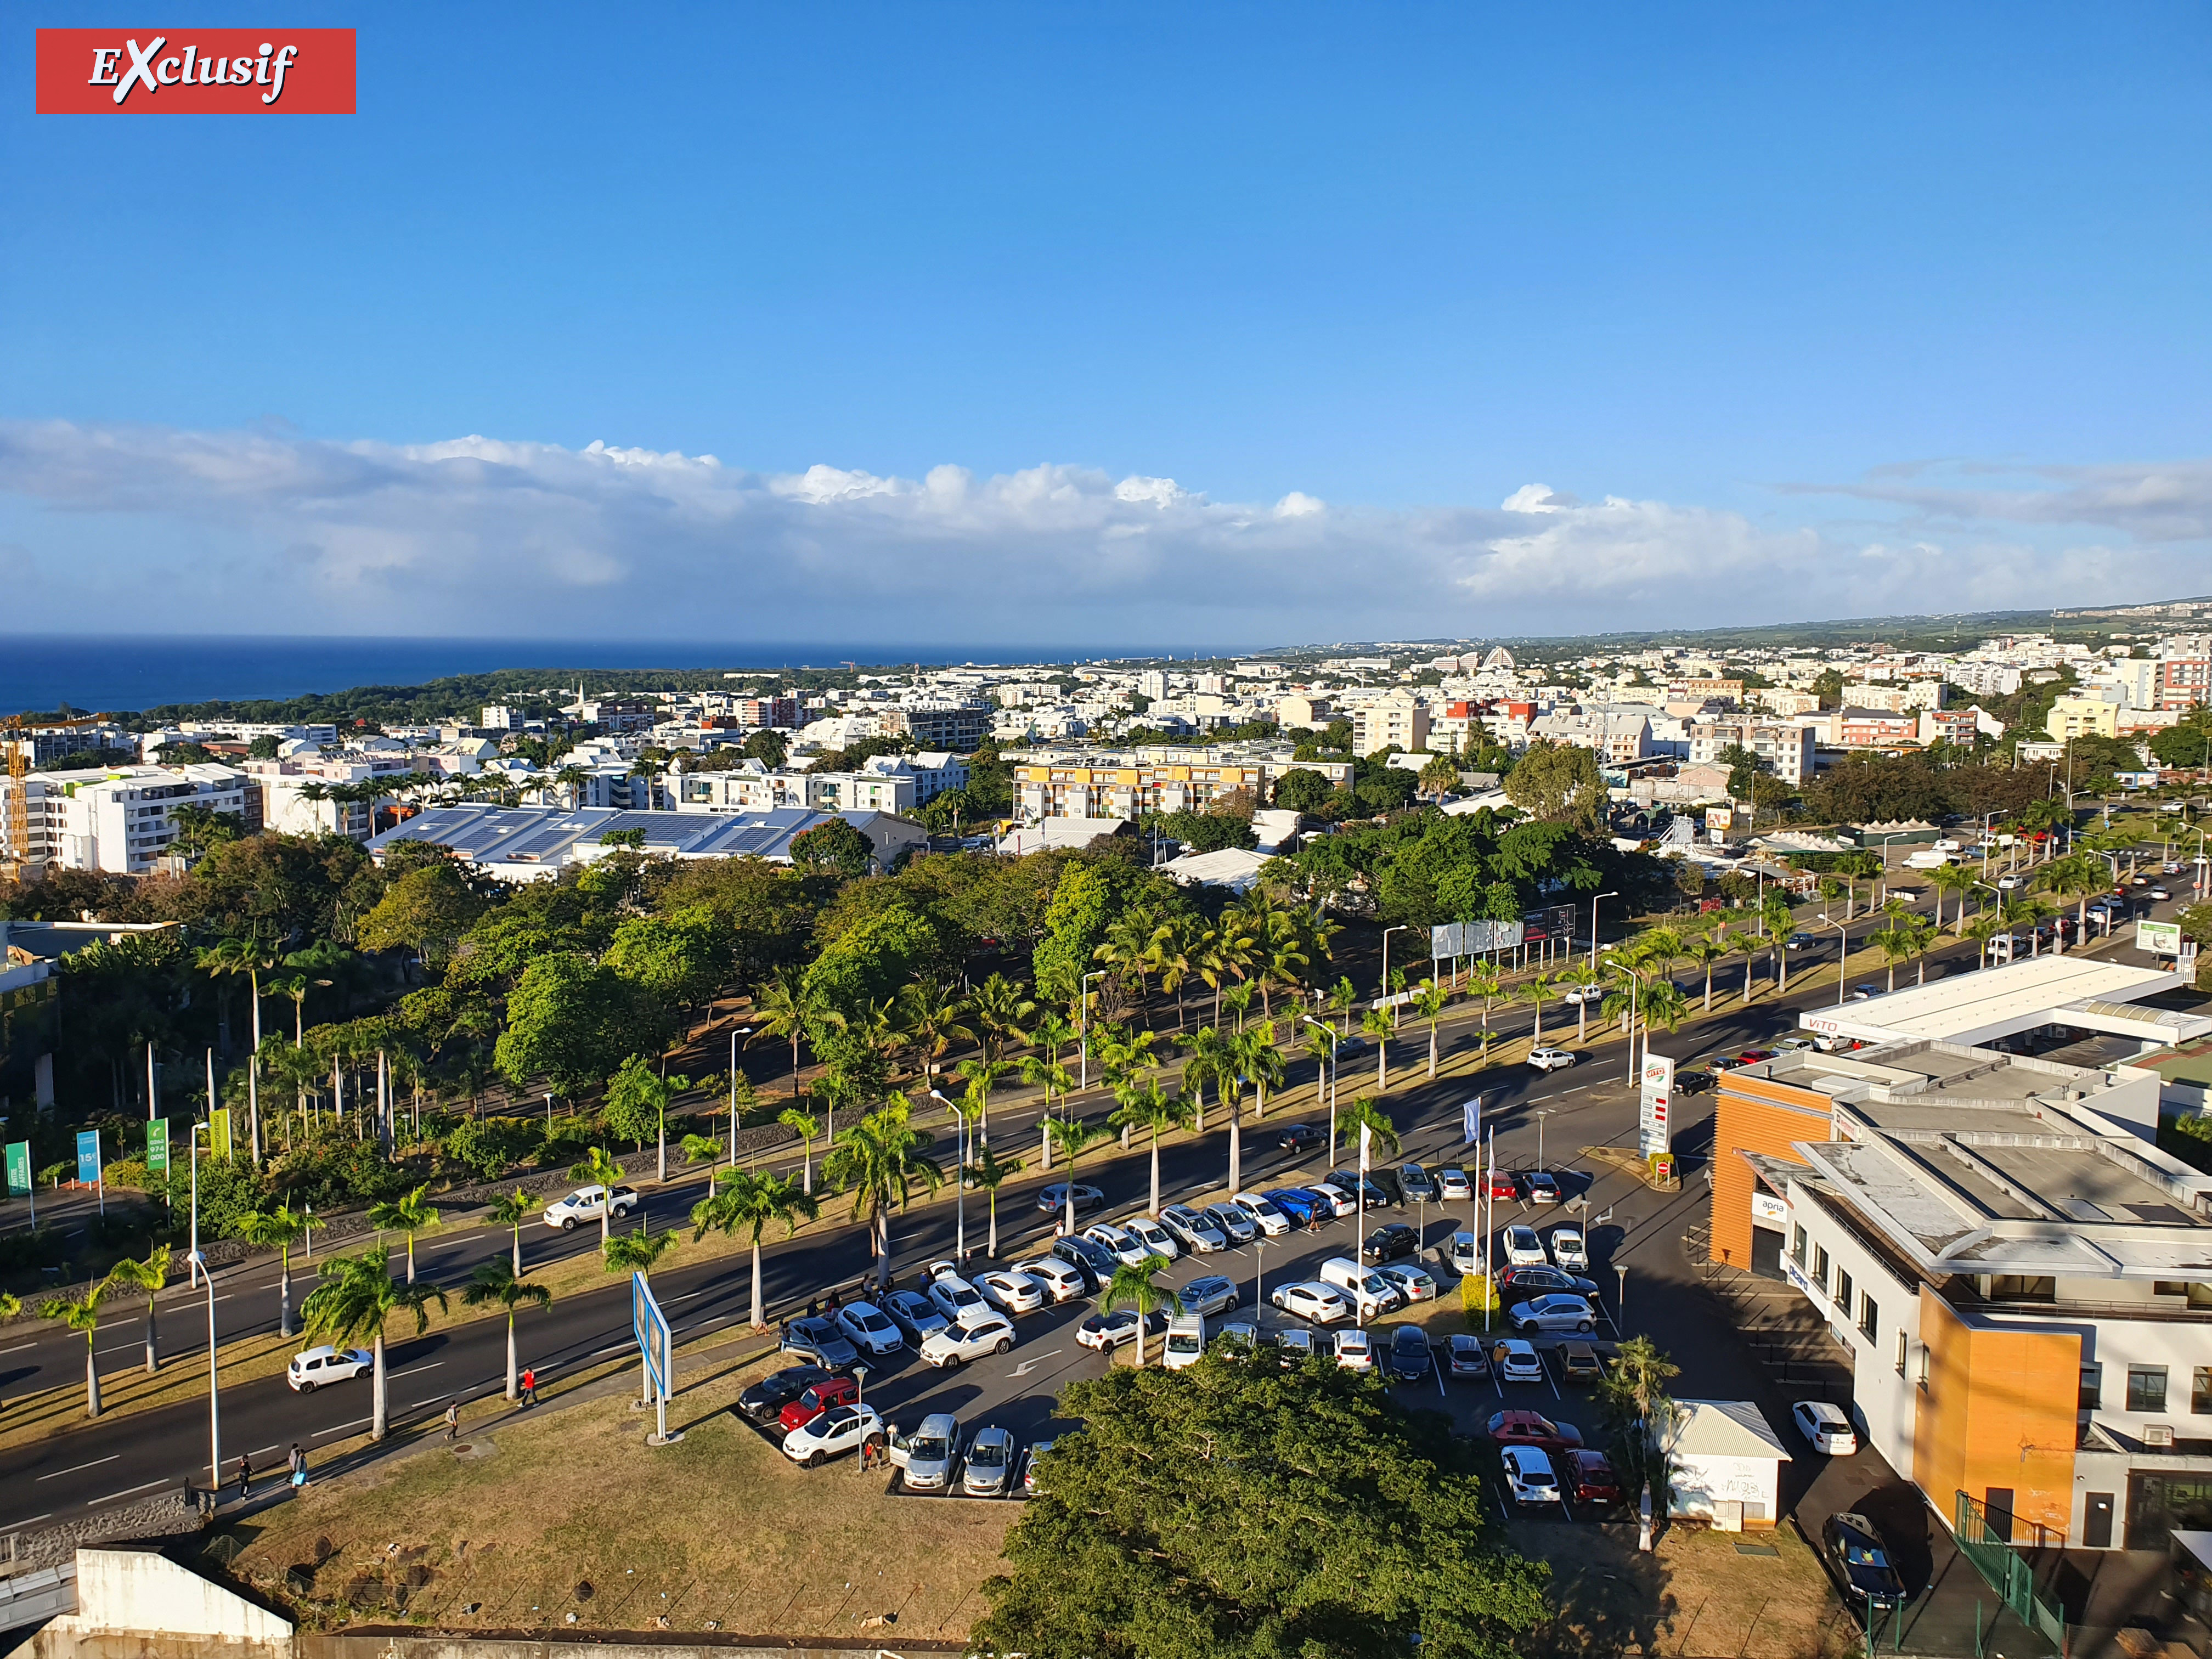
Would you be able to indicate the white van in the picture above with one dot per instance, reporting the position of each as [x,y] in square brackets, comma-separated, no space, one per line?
[1186,1340]
[1365,1289]
[1929,859]
[1061,1282]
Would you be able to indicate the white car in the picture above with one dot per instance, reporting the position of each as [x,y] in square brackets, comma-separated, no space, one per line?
[1568,1250]
[1059,1281]
[584,1204]
[2010,884]
[1529,1475]
[1516,1362]
[1309,1301]
[959,1301]
[867,1329]
[1827,1428]
[1523,1248]
[1550,1059]
[1192,1229]
[1340,1203]
[1409,1282]
[958,1344]
[1125,1248]
[1262,1213]
[1355,1350]
[1793,1045]
[1186,1341]
[310,1370]
[1010,1292]
[840,1429]
[1153,1237]
[1453,1186]
[1464,1251]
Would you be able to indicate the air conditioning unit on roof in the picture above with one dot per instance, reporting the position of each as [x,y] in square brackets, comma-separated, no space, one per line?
[2158,1434]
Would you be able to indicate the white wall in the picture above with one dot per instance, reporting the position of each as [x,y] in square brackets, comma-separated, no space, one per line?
[138,1590]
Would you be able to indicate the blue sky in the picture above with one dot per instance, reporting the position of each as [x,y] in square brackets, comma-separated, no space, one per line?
[1868,310]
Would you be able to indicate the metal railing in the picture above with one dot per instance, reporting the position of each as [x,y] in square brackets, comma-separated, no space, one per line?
[2005,1571]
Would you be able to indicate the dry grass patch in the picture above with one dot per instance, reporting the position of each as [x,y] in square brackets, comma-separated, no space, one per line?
[570,1513]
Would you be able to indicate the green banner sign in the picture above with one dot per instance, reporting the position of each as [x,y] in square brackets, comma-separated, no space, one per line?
[19,1168]
[157,1146]
[219,1132]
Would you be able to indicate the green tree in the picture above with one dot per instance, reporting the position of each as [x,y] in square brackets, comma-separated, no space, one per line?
[1632,1396]
[355,1298]
[1365,1113]
[599,1169]
[1069,1139]
[1559,783]
[1429,1001]
[408,1214]
[494,1283]
[1211,1060]
[1138,1286]
[1148,1107]
[1158,1533]
[637,1105]
[277,1229]
[147,1277]
[879,1159]
[805,1127]
[426,910]
[782,1009]
[989,1171]
[571,1022]
[1374,1025]
[511,1210]
[748,1200]
[82,1313]
[833,848]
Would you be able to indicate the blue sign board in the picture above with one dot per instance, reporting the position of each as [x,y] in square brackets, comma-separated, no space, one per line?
[88,1156]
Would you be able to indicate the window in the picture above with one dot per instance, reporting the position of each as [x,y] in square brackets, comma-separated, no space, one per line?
[1820,1266]
[1870,1316]
[1797,1247]
[2200,1391]
[2146,1387]
[1843,1292]
[1904,1351]
[2014,1287]
[2093,1388]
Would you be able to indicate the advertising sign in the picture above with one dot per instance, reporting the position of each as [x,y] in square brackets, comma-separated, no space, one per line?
[88,1156]
[19,1168]
[1473,938]
[153,71]
[1554,922]
[157,1146]
[1654,1132]
[2163,938]
[219,1132]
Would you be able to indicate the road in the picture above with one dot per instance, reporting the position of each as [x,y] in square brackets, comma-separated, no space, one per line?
[121,1456]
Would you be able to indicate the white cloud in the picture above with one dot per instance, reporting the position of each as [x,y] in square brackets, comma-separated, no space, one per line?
[487,536]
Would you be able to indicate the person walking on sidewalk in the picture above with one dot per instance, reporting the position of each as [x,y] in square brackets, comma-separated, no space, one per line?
[245,1477]
[529,1386]
[298,1463]
[453,1421]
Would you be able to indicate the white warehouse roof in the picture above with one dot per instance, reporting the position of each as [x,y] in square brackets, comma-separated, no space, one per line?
[1990,1003]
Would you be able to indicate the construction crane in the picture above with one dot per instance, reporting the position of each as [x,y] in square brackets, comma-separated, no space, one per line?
[16,863]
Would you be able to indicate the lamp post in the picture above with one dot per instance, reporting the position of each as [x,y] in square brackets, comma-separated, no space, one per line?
[736,1032]
[215,1400]
[1328,1067]
[1259,1275]
[1842,953]
[1543,1112]
[1594,899]
[960,1178]
[1082,1044]
[194,1256]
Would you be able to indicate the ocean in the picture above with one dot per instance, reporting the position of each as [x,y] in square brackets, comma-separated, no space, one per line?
[98,673]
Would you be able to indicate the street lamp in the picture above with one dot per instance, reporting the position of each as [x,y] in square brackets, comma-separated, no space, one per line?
[215,1400]
[1082,1044]
[1543,1112]
[736,1032]
[1259,1275]
[194,1257]
[1842,953]
[960,1177]
[1594,899]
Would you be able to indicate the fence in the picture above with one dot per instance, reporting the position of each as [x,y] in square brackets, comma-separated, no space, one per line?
[2006,1571]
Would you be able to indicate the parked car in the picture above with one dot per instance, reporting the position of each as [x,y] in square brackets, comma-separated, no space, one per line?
[1235,1226]
[1826,1429]
[1548,1058]
[2160,893]
[1754,1056]
[818,1339]
[925,1458]
[1060,1282]
[915,1314]
[1194,1229]
[829,1391]
[1153,1237]
[584,1204]
[1863,1559]
[1211,1294]
[763,1402]
[1523,1428]
[960,1344]
[1515,1361]
[1793,1045]
[840,1429]
[1055,1197]
[1523,1248]
[1411,1284]
[1501,1183]
[1453,1186]
[1590,1478]
[1010,1292]
[1037,1449]
[1723,1063]
[1262,1214]
[1355,1350]
[311,1370]
[1467,1357]
[1302,1207]
[1300,1136]
[1338,1200]
[1410,1358]
[959,1301]
[1521,1284]
[1540,1188]
[1093,1261]
[1186,1343]
[1298,1345]
[1240,1337]
[1567,1248]
[1419,1184]
[1579,1363]
[867,1329]
[1123,1246]
[1309,1301]
[1388,1243]
[1349,1180]
[988,1468]
[1108,1330]
[1368,1292]
[1529,1476]
[1464,1252]
[1553,1313]
[1694,1082]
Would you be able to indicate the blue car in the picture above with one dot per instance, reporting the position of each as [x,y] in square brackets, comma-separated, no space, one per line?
[1300,1206]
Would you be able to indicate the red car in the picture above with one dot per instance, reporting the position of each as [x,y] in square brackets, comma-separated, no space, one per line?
[1502,1183]
[831,1391]
[1589,1477]
[1519,1428]
[1753,1056]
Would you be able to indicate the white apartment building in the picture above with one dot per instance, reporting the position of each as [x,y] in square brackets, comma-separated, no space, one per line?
[122,821]
[750,786]
[1396,717]
[1786,748]
[1618,738]
[287,804]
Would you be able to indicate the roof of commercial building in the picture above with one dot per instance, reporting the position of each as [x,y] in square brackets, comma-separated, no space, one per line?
[1725,1428]
[547,837]
[1233,868]
[1996,1002]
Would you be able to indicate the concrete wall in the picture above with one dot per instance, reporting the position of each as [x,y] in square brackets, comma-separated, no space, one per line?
[1754,1114]
[1699,1483]
[1997,1412]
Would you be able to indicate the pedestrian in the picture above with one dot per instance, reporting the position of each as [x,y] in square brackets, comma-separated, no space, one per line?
[452,1420]
[298,1463]
[245,1477]
[529,1386]
[813,1307]
[834,1304]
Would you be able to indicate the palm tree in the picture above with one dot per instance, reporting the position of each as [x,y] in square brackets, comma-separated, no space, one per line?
[1211,1061]
[1921,935]
[1039,1071]
[408,1215]
[82,1313]
[1703,951]
[781,1008]
[1238,999]
[1069,1137]
[1224,953]
[1536,992]
[512,1211]
[701,1149]
[1341,996]
[1134,1287]
[1000,1011]
[596,1168]
[1484,980]
[934,1018]
[1168,955]
[1633,1395]
[1664,1007]
[1126,949]
[1429,1001]
[1947,879]
[495,1281]
[1147,1106]
[805,1125]
[1895,946]
[989,1171]
[1375,1023]
[879,1159]
[1261,1062]
[355,1297]
[637,1252]
[982,1076]
[251,957]
[1365,1113]
[277,1229]
[148,1276]
[743,1198]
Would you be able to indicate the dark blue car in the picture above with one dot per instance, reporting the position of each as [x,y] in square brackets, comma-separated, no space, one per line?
[1300,1206]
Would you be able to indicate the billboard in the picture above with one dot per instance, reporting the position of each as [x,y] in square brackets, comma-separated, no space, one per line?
[1472,938]
[19,1168]
[219,1132]
[2161,938]
[1553,922]
[1654,1132]
[157,1146]
[650,1326]
[88,1156]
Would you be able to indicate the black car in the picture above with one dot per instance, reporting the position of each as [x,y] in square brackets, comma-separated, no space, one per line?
[820,1340]
[1863,1561]
[1388,1243]
[1088,1257]
[1347,1181]
[1525,1284]
[1298,1137]
[1693,1083]
[764,1401]
[1409,1358]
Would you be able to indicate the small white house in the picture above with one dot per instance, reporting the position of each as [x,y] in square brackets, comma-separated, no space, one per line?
[1727,1465]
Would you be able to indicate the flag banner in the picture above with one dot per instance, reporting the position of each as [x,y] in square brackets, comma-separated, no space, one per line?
[88,1156]
[157,1145]
[19,1168]
[219,1132]
[1366,1143]
[1470,1117]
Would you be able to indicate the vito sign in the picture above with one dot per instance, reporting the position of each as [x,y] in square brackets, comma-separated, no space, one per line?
[156,72]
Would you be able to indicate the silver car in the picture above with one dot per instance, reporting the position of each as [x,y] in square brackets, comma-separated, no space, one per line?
[1195,1232]
[989,1465]
[1233,1224]
[915,1314]
[925,1459]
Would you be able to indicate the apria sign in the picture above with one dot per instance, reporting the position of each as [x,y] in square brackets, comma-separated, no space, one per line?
[153,71]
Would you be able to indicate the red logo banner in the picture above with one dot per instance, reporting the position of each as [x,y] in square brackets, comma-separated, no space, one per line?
[153,71]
